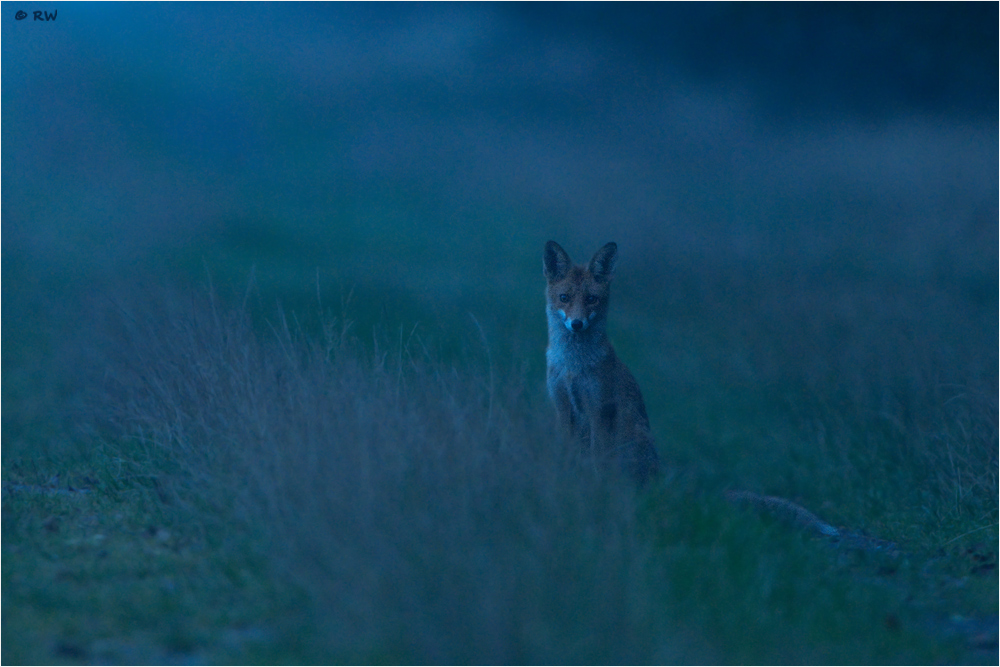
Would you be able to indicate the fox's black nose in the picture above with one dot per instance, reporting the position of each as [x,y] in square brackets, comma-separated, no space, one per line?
[577,325]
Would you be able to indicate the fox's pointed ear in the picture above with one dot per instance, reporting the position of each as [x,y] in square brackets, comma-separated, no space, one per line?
[602,266]
[556,262]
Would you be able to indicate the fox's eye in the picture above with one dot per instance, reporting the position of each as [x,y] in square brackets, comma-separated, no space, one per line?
[591,300]
[564,298]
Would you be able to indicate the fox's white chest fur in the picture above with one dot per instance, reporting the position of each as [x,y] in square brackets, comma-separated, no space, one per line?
[572,360]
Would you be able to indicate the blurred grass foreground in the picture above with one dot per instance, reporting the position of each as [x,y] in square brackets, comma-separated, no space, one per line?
[273,333]
[253,489]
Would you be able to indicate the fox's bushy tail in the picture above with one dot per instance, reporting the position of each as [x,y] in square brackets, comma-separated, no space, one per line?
[783,509]
[796,515]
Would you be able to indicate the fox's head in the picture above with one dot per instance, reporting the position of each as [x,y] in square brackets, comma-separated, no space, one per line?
[576,295]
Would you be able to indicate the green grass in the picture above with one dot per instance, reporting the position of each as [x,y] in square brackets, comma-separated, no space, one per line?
[376,479]
[98,567]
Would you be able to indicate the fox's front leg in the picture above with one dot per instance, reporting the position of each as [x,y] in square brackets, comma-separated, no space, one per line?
[603,427]
[564,409]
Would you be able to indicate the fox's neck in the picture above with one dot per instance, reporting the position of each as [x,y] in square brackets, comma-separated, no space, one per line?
[576,348]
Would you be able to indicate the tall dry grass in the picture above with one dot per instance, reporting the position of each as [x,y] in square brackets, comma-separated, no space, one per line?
[431,512]
[427,507]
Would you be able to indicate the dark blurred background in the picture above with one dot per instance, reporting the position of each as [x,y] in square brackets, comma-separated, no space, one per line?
[434,137]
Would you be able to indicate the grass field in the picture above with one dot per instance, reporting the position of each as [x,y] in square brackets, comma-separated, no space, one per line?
[329,442]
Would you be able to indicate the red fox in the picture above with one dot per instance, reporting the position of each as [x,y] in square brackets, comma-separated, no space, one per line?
[596,397]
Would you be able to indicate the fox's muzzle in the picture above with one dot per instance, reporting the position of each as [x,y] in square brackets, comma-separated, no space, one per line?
[575,324]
